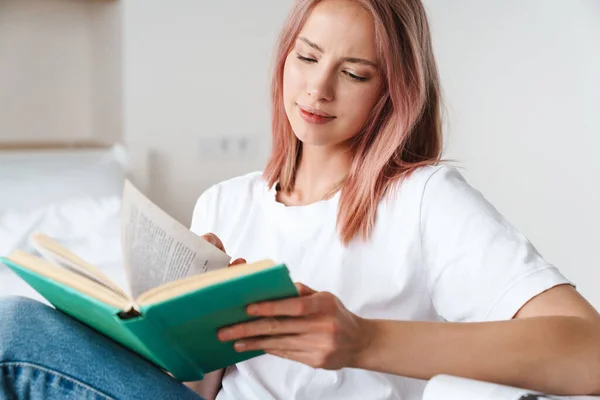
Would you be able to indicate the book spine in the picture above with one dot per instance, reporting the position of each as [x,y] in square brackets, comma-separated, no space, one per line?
[133,340]
[161,351]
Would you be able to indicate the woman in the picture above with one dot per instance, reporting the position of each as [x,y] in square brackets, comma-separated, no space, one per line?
[406,271]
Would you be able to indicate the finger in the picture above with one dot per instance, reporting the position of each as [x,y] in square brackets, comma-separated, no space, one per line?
[266,327]
[279,343]
[304,290]
[238,261]
[294,307]
[214,240]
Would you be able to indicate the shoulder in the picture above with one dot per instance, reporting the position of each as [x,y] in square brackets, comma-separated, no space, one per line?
[446,189]
[426,177]
[448,201]
[439,189]
[424,180]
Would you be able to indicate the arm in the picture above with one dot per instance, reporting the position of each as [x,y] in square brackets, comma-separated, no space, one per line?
[539,349]
[552,345]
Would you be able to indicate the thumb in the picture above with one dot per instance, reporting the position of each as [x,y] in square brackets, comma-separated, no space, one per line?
[214,240]
[304,290]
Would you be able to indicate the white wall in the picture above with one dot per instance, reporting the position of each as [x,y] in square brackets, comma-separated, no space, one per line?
[59,70]
[192,70]
[522,87]
[106,101]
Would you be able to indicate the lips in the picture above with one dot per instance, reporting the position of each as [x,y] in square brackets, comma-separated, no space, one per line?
[314,111]
[314,116]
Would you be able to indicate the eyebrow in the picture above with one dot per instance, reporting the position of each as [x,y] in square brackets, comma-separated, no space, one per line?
[347,59]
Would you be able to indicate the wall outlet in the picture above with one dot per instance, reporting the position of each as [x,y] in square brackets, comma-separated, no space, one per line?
[228,147]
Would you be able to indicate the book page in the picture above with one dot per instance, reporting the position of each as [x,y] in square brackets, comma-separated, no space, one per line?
[68,277]
[446,387]
[54,252]
[157,248]
[173,289]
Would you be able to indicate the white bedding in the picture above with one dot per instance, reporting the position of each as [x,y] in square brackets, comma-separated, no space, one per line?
[73,196]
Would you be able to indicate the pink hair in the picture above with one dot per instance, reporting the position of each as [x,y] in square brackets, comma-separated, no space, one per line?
[402,133]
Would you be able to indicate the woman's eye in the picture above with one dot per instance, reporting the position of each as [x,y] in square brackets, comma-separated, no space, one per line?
[355,77]
[305,59]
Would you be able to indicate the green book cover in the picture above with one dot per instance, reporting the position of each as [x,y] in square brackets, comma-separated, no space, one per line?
[179,334]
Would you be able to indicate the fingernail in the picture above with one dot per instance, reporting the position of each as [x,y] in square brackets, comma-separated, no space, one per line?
[225,334]
[239,346]
[252,310]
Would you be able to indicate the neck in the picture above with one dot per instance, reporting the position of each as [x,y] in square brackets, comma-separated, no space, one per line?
[320,171]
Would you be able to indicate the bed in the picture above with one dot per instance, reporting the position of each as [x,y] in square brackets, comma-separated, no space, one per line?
[70,191]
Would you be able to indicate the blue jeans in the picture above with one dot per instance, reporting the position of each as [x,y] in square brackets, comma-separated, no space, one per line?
[45,354]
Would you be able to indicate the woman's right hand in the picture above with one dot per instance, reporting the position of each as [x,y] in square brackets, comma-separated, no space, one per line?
[215,241]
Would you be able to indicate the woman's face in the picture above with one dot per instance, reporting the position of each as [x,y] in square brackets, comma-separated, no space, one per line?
[331,80]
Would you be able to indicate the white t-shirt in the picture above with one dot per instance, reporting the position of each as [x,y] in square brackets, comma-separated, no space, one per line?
[439,251]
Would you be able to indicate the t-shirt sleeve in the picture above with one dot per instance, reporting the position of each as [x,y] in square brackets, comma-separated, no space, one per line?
[477,265]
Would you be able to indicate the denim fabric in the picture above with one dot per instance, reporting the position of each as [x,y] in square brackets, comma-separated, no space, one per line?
[45,354]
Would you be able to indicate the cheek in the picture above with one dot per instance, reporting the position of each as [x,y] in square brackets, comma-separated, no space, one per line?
[361,101]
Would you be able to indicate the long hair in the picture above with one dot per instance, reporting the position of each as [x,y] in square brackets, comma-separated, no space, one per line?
[402,133]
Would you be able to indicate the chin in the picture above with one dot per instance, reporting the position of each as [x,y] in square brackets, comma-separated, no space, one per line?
[312,138]
[312,135]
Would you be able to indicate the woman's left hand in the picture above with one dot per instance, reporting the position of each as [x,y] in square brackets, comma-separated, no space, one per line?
[315,329]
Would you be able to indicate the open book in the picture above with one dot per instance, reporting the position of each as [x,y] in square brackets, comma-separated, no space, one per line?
[181,291]
[446,387]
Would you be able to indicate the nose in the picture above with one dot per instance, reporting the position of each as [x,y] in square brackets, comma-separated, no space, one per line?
[321,87]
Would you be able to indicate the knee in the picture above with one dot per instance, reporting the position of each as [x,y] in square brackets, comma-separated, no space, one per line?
[15,309]
[18,316]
